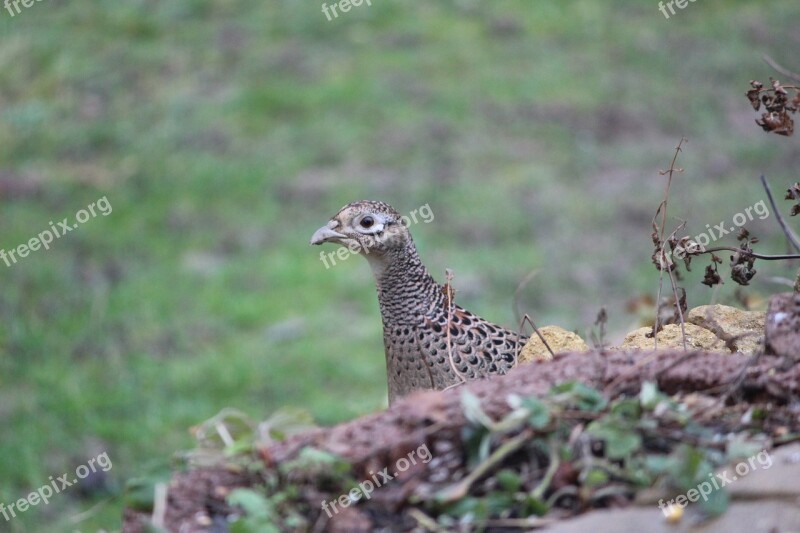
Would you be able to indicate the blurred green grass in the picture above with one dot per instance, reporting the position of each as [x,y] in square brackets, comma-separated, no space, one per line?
[224,133]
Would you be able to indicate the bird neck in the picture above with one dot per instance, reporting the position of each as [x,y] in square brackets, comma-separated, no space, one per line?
[406,289]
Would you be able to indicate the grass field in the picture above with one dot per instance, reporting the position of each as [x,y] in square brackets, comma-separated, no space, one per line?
[224,133]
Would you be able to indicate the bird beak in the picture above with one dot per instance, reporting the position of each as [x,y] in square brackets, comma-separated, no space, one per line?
[326,234]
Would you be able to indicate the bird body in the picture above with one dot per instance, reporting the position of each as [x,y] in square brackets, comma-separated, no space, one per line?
[429,342]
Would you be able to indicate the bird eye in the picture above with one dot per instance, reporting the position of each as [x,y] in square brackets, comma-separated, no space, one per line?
[367,222]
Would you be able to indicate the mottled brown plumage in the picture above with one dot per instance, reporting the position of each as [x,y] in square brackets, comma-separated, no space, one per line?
[414,307]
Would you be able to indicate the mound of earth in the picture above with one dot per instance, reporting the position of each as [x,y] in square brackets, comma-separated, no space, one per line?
[548,445]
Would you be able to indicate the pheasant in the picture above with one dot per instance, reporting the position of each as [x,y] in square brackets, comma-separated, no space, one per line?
[417,312]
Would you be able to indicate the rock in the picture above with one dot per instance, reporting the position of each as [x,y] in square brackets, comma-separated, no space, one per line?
[783,325]
[772,474]
[766,515]
[742,331]
[559,340]
[670,337]
[762,499]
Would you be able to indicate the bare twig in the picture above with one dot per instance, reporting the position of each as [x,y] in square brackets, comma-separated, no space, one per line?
[428,523]
[783,71]
[747,252]
[460,489]
[544,484]
[678,307]
[530,321]
[674,290]
[670,171]
[790,234]
[522,284]
[663,205]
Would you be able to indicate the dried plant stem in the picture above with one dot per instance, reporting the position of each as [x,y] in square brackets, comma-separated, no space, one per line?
[790,235]
[781,70]
[748,253]
[522,284]
[530,321]
[670,171]
[663,206]
[460,489]
[678,307]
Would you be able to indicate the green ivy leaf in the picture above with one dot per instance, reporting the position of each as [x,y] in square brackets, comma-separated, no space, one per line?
[579,396]
[538,412]
[535,506]
[628,409]
[621,438]
[595,477]
[260,514]
[509,480]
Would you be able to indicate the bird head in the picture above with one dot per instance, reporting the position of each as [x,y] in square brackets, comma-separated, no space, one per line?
[365,227]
